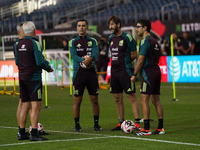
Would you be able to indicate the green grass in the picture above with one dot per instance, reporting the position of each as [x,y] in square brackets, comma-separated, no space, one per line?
[181,122]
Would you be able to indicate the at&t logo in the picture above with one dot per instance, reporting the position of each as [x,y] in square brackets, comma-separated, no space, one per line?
[177,68]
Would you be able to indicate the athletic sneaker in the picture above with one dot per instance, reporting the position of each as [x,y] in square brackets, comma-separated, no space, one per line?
[118,127]
[159,131]
[37,138]
[77,129]
[97,128]
[143,132]
[43,133]
[26,133]
[137,127]
[23,137]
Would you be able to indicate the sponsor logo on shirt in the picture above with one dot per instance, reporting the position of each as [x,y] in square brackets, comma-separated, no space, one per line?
[22,48]
[115,49]
[80,49]
[89,53]
[88,49]
[114,58]
[114,54]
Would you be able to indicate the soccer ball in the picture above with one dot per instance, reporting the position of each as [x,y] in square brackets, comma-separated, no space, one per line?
[128,126]
[84,66]
[39,127]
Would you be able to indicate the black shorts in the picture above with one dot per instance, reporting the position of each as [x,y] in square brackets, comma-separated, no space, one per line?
[150,81]
[30,90]
[86,79]
[121,81]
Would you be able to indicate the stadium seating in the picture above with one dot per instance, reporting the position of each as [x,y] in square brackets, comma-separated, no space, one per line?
[4,3]
[129,11]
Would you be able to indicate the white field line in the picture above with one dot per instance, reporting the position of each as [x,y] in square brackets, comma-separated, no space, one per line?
[52,141]
[162,141]
[104,136]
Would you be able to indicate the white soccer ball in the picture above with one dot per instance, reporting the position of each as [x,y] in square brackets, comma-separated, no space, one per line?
[83,65]
[128,126]
[39,127]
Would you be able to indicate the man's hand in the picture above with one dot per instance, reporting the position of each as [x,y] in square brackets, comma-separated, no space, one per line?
[87,61]
[51,70]
[133,78]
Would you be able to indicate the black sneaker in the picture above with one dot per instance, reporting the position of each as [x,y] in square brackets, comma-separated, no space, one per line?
[26,133]
[37,138]
[23,137]
[118,127]
[43,133]
[97,128]
[77,129]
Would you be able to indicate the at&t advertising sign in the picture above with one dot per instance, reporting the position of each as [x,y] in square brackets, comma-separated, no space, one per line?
[186,68]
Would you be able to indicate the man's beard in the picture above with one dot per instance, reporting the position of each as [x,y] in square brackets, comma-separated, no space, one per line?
[115,30]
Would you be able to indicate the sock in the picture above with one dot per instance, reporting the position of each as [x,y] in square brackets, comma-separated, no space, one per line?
[34,132]
[137,121]
[121,120]
[22,131]
[96,121]
[146,124]
[160,123]
[76,122]
[19,128]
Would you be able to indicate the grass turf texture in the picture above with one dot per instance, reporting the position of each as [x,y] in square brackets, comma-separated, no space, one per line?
[181,122]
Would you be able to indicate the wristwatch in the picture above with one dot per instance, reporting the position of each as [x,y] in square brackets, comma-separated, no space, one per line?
[134,74]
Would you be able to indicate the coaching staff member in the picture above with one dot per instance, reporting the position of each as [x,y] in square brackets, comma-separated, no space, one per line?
[30,62]
[79,47]
[151,77]
[123,52]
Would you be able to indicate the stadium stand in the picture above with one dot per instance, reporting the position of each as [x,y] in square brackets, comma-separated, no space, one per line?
[8,2]
[48,13]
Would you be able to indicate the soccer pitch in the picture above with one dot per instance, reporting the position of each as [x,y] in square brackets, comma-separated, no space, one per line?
[181,122]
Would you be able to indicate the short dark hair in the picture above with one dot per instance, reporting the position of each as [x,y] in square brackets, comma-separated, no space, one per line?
[19,25]
[145,22]
[82,20]
[115,19]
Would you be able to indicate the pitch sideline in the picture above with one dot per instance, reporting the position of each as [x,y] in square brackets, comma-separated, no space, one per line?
[101,137]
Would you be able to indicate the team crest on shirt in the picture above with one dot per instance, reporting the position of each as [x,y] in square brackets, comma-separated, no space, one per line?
[89,43]
[79,45]
[121,43]
[111,43]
